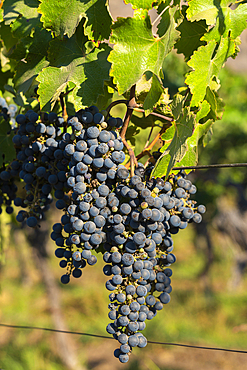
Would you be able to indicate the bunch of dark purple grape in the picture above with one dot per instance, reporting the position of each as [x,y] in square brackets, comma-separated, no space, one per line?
[37,142]
[130,220]
[139,251]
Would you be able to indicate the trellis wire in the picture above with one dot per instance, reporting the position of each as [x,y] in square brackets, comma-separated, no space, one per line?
[106,337]
[204,167]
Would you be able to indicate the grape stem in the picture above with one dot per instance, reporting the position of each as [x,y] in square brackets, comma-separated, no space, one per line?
[64,111]
[148,148]
[170,119]
[131,104]
[67,92]
[133,160]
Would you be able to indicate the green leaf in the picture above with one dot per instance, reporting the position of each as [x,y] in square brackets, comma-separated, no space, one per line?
[98,24]
[216,104]
[143,86]
[153,95]
[4,77]
[131,133]
[205,67]
[7,150]
[206,9]
[63,16]
[143,4]
[190,37]
[35,61]
[168,135]
[191,156]
[136,50]
[7,38]
[87,71]
[204,110]
[174,153]
[22,14]
[144,122]
[228,23]
[63,52]
[104,100]
[168,18]
[177,105]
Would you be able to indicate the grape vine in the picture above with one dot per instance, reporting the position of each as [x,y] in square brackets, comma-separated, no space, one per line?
[59,140]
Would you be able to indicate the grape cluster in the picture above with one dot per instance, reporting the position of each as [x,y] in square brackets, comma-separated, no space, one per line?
[139,251]
[36,163]
[130,219]
[95,155]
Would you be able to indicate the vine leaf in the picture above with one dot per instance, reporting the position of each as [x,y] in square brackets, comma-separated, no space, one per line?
[228,20]
[177,105]
[104,100]
[63,16]
[4,77]
[216,104]
[7,150]
[214,11]
[206,9]
[176,136]
[136,50]
[143,4]
[190,37]
[22,15]
[34,62]
[191,156]
[205,67]
[99,21]
[7,38]
[143,86]
[73,62]
[203,112]
[144,122]
[153,94]
[131,133]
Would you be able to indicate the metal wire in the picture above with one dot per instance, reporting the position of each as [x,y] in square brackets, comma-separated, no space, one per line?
[106,337]
[204,167]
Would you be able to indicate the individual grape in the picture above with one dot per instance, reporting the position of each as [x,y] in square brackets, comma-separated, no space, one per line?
[180,193]
[117,279]
[188,213]
[139,238]
[133,341]
[123,173]
[201,209]
[32,221]
[164,298]
[77,273]
[197,218]
[95,239]
[65,279]
[63,263]
[175,220]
